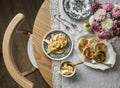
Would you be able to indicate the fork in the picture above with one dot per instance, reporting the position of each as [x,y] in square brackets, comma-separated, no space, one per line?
[66,26]
[72,24]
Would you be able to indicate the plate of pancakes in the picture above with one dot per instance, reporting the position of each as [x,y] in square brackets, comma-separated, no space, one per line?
[96,53]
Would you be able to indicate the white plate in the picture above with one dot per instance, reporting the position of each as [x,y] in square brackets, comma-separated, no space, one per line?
[62,56]
[110,55]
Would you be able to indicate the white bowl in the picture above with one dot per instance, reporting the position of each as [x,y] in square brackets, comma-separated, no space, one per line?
[70,74]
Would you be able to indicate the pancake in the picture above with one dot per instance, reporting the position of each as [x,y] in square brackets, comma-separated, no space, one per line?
[88,53]
[82,43]
[100,47]
[93,41]
[100,57]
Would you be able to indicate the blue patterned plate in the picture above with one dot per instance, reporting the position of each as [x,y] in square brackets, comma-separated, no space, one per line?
[77,9]
[68,48]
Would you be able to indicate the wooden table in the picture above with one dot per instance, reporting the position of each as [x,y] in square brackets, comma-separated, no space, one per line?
[41,27]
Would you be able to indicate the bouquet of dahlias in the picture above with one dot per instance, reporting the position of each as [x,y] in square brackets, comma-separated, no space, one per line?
[105,20]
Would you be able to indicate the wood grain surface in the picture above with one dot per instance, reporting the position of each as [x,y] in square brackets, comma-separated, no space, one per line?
[41,27]
[8,9]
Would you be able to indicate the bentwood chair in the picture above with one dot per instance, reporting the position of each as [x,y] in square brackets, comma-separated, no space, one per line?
[8,54]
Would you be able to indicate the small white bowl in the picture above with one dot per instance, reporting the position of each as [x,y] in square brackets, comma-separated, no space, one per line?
[70,63]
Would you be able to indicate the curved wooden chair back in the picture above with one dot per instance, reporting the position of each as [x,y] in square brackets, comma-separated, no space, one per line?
[7,53]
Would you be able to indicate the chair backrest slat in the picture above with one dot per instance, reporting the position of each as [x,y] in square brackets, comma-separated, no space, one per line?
[7,54]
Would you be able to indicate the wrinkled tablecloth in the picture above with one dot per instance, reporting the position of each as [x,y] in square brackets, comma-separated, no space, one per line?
[85,77]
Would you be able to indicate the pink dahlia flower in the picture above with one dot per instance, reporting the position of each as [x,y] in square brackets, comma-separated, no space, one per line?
[116,12]
[107,6]
[100,14]
[103,34]
[94,7]
[117,31]
[116,23]
[95,26]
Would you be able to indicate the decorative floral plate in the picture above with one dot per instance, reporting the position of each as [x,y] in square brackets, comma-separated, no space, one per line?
[105,20]
[54,56]
[77,9]
[110,55]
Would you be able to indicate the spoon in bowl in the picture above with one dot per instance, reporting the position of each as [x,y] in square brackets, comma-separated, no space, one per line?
[68,69]
[78,63]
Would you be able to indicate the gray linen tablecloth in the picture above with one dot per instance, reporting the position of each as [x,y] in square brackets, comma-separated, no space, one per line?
[85,77]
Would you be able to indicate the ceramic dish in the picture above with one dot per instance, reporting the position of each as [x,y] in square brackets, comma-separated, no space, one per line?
[77,9]
[68,48]
[110,55]
[67,69]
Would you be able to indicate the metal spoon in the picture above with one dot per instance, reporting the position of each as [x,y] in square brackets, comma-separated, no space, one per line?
[69,63]
[78,63]
[72,24]
[67,27]
[94,62]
